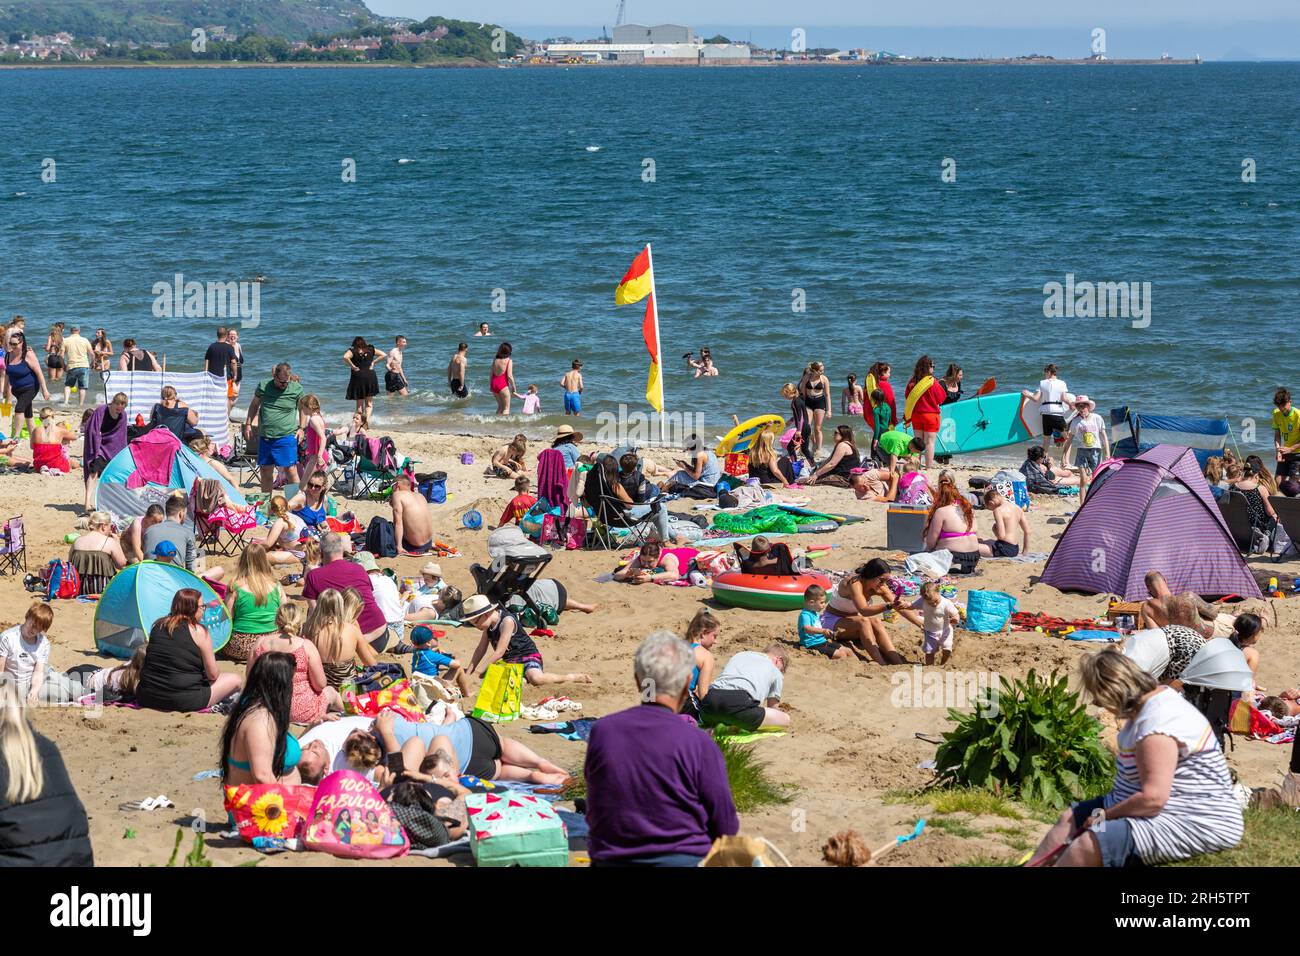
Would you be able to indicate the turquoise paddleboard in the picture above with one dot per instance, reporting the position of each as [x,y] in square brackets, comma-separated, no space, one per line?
[989,421]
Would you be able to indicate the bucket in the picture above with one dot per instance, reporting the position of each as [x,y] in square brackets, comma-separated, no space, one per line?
[472,520]
[467,458]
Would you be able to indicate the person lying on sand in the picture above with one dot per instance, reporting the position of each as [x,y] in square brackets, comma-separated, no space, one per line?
[654,563]
[1009,523]
[875,484]
[1163,606]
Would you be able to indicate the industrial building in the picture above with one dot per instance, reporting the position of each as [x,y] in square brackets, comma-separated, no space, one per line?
[664,45]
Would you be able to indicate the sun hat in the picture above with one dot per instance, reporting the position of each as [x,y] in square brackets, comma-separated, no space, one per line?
[476,605]
[421,634]
[566,431]
[366,560]
[432,568]
[165,550]
[1084,400]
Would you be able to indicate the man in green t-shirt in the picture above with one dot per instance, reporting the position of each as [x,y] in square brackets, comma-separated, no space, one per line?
[274,413]
[897,444]
[1286,435]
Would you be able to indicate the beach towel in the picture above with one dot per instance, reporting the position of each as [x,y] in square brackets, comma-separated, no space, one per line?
[269,809]
[579,729]
[553,479]
[1091,634]
[739,736]
[154,453]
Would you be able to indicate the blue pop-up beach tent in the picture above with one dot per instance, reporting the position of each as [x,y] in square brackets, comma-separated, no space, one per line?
[140,595]
[116,494]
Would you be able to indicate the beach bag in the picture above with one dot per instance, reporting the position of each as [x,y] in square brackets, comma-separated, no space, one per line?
[515,829]
[736,463]
[573,537]
[743,851]
[61,580]
[269,809]
[501,696]
[349,818]
[434,488]
[375,677]
[381,540]
[1249,721]
[1013,487]
[429,691]
[931,564]
[988,612]
[397,697]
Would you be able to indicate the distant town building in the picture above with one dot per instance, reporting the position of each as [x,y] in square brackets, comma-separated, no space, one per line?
[665,33]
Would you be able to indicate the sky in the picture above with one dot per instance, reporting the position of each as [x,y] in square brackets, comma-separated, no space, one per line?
[1215,29]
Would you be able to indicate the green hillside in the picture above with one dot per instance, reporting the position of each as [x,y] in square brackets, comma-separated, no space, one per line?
[168,21]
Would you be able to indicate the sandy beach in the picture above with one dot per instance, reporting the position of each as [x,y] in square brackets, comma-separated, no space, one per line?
[850,753]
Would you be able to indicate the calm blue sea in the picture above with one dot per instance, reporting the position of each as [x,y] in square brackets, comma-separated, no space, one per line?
[767,181]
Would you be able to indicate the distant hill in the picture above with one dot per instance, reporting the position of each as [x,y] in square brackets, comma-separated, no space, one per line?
[168,21]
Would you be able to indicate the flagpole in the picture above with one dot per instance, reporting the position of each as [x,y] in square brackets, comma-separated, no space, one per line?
[654,306]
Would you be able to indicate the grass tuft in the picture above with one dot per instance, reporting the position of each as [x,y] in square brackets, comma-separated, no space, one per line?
[977,803]
[751,784]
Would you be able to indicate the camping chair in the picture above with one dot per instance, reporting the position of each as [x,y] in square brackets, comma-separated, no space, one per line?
[243,452]
[212,532]
[1232,505]
[376,467]
[509,577]
[13,546]
[1288,516]
[612,528]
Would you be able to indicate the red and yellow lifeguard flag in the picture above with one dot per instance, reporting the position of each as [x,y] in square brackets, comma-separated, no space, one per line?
[654,386]
[638,282]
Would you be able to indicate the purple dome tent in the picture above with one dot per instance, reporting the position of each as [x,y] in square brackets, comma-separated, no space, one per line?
[1155,513]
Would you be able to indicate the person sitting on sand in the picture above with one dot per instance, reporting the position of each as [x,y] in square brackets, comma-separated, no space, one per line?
[133,537]
[1009,522]
[281,536]
[504,639]
[747,692]
[50,441]
[1041,476]
[914,489]
[335,574]
[332,627]
[520,504]
[1172,796]
[253,599]
[256,746]
[472,745]
[701,635]
[97,554]
[311,504]
[508,461]
[813,635]
[766,465]
[428,658]
[701,472]
[647,758]
[412,519]
[312,696]
[837,470]
[875,484]
[951,525]
[856,608]
[1245,636]
[654,563]
[180,671]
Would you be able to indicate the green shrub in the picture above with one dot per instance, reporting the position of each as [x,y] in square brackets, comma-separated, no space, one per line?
[751,787]
[1033,740]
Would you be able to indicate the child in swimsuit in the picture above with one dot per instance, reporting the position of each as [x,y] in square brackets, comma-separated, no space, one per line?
[572,385]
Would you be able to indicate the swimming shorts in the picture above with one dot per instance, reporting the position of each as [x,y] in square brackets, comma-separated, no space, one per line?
[54,362]
[855,408]
[281,452]
[394,382]
[417,548]
[1002,549]
[825,648]
[573,403]
[963,562]
[77,377]
[530,662]
[1053,424]
[458,388]
[486,750]
[816,403]
[731,707]
[925,422]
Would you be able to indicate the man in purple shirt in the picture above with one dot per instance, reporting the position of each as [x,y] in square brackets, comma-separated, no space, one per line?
[338,574]
[657,791]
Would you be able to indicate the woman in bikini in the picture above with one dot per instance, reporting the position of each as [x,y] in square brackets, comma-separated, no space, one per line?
[855,608]
[332,627]
[310,504]
[502,382]
[815,389]
[851,398]
[837,471]
[951,525]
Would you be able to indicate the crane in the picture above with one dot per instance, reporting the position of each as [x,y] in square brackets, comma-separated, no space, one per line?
[621,16]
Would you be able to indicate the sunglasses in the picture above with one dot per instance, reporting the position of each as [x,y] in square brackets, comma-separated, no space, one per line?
[316,487]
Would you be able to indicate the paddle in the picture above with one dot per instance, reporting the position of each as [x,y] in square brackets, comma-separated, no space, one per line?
[987,387]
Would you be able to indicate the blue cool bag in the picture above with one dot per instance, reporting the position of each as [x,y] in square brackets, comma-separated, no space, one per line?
[989,612]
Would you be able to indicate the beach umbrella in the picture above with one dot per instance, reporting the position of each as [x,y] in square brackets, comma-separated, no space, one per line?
[1148,649]
[1220,665]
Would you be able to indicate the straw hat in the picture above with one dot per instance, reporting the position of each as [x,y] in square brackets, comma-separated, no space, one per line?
[1084,400]
[566,431]
[432,568]
[476,605]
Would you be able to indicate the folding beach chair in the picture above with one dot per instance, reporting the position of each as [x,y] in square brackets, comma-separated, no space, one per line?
[1288,516]
[13,547]
[509,577]
[214,530]
[1232,505]
[243,452]
[376,467]
[611,527]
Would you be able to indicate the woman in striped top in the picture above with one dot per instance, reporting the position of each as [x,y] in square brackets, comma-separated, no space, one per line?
[1172,796]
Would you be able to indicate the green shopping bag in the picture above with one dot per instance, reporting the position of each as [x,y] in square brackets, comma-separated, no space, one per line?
[501,696]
